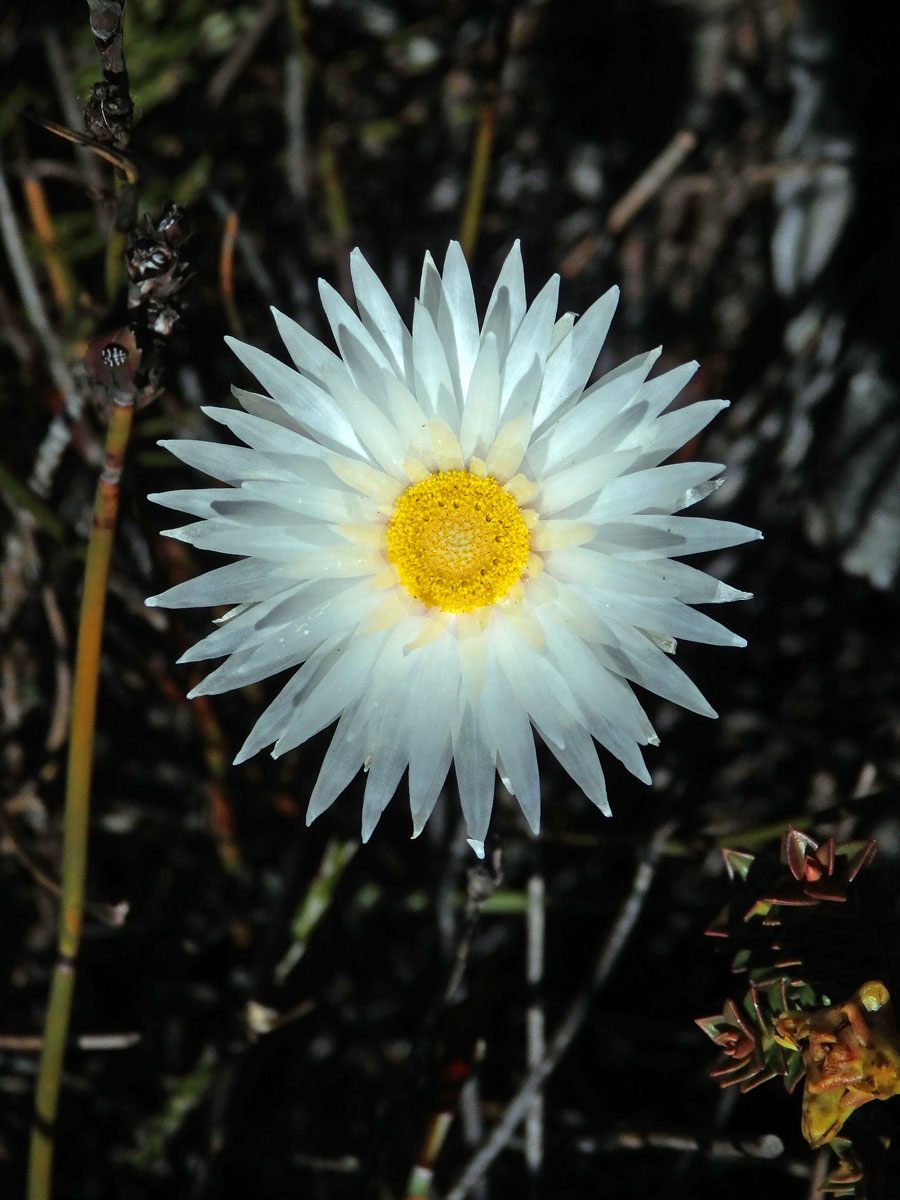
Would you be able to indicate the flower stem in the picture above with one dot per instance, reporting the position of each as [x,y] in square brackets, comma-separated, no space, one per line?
[478,172]
[77,802]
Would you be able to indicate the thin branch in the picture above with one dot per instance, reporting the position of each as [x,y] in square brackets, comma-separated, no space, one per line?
[34,307]
[245,47]
[67,99]
[764,1147]
[86,1041]
[571,1023]
[254,265]
[337,211]
[535,924]
[484,136]
[296,85]
[230,230]
[649,182]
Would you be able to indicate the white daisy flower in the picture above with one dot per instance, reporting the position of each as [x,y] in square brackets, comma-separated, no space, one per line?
[455,541]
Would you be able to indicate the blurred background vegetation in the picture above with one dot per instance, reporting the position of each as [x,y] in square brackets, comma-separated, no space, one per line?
[272,1013]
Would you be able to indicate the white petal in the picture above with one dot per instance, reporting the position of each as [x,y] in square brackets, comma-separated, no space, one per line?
[474,763]
[482,407]
[373,429]
[305,401]
[365,358]
[430,725]
[695,535]
[263,435]
[584,480]
[276,544]
[693,586]
[232,464]
[543,692]
[430,288]
[388,762]
[506,307]
[434,384]
[675,429]
[381,317]
[388,740]
[340,686]
[196,501]
[235,583]
[638,659]
[339,767]
[457,322]
[324,503]
[258,405]
[409,417]
[661,489]
[239,508]
[561,330]
[274,719]
[510,731]
[669,617]
[291,643]
[590,422]
[310,356]
[424,795]
[658,393]
[249,628]
[589,568]
[579,758]
[505,455]
[570,365]
[531,341]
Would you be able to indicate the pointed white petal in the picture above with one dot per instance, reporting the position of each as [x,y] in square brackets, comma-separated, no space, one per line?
[659,393]
[570,365]
[339,768]
[661,489]
[430,288]
[381,317]
[231,464]
[457,322]
[675,429]
[695,535]
[345,324]
[341,685]
[430,724]
[235,583]
[474,763]
[531,341]
[434,384]
[636,657]
[692,586]
[590,422]
[510,731]
[310,356]
[579,758]
[583,481]
[274,719]
[482,407]
[303,399]
[506,307]
[253,625]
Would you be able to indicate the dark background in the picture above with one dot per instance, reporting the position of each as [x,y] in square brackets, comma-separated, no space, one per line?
[771,254]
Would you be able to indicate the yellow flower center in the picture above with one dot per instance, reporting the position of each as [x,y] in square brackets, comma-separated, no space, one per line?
[457,541]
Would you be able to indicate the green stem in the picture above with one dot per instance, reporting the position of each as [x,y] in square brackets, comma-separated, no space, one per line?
[478,172]
[78,791]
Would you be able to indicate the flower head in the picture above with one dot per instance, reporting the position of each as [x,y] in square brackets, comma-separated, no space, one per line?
[454,540]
